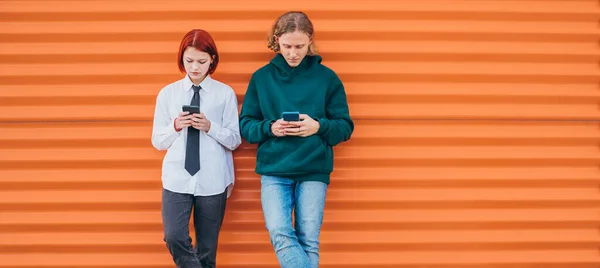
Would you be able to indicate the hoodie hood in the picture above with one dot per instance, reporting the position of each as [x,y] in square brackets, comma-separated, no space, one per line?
[308,64]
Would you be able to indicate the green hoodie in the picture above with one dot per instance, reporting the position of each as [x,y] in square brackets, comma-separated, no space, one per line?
[310,88]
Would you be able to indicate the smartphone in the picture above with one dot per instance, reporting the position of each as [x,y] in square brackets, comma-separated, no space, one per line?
[192,109]
[290,116]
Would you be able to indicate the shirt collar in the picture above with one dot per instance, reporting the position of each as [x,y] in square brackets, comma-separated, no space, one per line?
[205,84]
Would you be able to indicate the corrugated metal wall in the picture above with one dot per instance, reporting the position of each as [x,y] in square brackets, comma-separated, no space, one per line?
[476,140]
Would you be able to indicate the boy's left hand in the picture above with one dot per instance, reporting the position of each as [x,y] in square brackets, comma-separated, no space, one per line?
[303,128]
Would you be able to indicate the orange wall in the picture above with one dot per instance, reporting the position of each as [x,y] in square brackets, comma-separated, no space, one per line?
[462,155]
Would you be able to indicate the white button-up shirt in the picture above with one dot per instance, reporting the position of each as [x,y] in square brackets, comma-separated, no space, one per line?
[219,104]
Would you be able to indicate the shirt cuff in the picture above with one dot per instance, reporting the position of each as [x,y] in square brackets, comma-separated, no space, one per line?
[214,129]
[174,127]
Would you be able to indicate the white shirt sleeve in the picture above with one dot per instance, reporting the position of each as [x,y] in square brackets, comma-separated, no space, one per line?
[163,128]
[228,134]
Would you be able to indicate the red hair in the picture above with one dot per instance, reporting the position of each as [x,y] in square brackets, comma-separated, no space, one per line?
[202,41]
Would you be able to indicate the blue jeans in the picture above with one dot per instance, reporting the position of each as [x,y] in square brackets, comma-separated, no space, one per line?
[299,247]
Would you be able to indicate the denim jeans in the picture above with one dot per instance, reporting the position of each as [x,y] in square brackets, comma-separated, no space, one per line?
[208,217]
[299,247]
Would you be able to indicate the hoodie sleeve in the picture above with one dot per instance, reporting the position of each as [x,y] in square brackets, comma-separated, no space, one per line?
[253,127]
[337,127]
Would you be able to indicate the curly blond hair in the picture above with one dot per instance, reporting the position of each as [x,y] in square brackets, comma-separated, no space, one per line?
[290,22]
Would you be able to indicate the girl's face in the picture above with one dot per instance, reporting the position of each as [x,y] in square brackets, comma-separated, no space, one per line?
[196,64]
[294,47]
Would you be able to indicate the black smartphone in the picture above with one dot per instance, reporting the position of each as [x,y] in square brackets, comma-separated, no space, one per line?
[192,109]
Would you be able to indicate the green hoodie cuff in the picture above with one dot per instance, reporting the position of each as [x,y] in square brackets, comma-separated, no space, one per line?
[267,128]
[324,126]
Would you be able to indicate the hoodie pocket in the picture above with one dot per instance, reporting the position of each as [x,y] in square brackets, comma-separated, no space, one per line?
[294,155]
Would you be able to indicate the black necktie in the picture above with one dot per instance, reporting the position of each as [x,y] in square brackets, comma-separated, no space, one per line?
[192,150]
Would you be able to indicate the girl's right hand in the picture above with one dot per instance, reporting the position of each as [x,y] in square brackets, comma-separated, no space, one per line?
[183,120]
